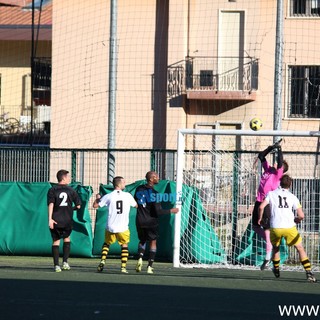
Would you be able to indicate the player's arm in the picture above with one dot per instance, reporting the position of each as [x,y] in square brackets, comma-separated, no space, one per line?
[159,209]
[299,215]
[261,209]
[76,200]
[262,155]
[50,212]
[132,201]
[96,201]
[280,157]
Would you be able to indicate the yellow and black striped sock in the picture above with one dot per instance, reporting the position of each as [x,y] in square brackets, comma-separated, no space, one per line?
[105,251]
[276,263]
[124,257]
[306,264]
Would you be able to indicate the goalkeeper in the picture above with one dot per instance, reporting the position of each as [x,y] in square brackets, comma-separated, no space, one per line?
[269,181]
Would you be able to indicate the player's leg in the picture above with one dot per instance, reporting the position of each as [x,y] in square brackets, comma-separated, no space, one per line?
[141,247]
[123,239]
[66,254]
[66,249]
[255,226]
[152,237]
[275,238]
[55,249]
[294,238]
[268,250]
[124,258]
[108,240]
[266,227]
[55,255]
[276,261]
[152,255]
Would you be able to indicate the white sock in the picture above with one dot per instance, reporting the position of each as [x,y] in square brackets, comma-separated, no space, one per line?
[268,255]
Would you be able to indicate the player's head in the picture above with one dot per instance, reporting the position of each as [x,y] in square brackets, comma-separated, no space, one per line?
[285,166]
[118,182]
[152,177]
[285,181]
[63,176]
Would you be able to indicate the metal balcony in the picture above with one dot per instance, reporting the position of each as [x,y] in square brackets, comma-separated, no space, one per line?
[214,78]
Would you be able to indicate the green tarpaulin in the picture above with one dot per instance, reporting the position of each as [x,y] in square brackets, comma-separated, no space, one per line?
[24,220]
[25,231]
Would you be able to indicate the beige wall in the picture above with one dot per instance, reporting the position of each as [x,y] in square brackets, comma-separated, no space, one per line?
[15,74]
[144,118]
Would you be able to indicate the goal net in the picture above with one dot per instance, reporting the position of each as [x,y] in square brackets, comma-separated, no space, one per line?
[217,178]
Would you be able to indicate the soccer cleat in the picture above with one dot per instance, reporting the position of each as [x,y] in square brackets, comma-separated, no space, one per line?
[57,269]
[311,277]
[276,272]
[265,264]
[139,265]
[124,270]
[65,266]
[101,265]
[150,270]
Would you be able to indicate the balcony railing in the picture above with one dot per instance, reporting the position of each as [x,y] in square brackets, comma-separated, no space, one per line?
[212,74]
[18,125]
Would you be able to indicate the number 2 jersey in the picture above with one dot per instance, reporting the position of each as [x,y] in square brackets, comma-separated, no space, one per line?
[282,203]
[118,203]
[63,198]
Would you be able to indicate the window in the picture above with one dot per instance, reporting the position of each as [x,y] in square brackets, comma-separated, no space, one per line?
[42,81]
[305,8]
[304,92]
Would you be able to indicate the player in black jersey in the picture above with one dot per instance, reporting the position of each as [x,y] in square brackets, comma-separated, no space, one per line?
[147,221]
[62,200]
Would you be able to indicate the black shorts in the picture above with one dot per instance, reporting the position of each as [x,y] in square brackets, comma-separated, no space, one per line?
[265,222]
[60,233]
[147,234]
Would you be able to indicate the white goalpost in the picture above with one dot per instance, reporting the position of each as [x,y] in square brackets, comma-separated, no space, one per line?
[217,177]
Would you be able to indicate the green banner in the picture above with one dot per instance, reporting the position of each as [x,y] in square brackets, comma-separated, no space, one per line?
[25,231]
[24,220]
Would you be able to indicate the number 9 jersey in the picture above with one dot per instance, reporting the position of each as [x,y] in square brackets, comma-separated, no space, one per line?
[118,203]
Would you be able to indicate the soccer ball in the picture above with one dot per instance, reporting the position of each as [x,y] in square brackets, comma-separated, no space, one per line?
[255,124]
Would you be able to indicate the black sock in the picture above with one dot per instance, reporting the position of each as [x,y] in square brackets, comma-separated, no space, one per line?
[152,255]
[55,255]
[141,250]
[66,251]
